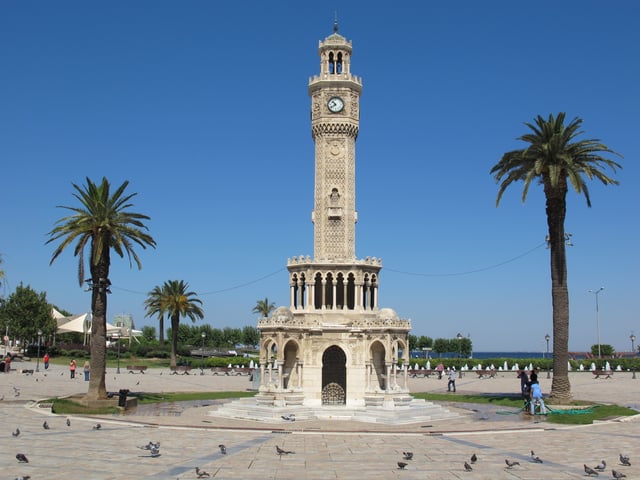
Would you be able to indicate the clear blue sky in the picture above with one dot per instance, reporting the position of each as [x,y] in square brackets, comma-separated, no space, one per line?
[203,107]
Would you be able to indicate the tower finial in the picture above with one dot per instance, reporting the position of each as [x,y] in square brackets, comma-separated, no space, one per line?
[335,22]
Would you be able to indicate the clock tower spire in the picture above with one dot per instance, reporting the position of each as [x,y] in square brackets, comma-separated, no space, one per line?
[335,121]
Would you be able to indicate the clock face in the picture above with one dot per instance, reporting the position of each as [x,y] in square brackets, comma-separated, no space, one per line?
[335,104]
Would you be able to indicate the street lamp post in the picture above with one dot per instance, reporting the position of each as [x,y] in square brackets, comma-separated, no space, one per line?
[117,336]
[633,340]
[202,354]
[38,361]
[547,338]
[596,292]
[459,337]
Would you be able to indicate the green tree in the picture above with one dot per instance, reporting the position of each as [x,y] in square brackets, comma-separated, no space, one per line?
[149,333]
[250,336]
[605,350]
[264,307]
[25,312]
[440,346]
[555,159]
[154,307]
[177,301]
[104,223]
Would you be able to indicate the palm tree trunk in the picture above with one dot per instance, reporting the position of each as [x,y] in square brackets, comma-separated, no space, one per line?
[161,335]
[175,324]
[556,211]
[97,386]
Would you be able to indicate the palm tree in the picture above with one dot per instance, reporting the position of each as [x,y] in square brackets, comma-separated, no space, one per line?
[555,158]
[153,305]
[1,271]
[264,307]
[102,222]
[174,300]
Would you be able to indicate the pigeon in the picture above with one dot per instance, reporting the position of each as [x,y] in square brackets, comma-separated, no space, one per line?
[401,465]
[474,458]
[289,418]
[97,426]
[407,455]
[510,464]
[155,451]
[280,451]
[223,449]
[601,466]
[25,477]
[624,460]
[151,446]
[617,474]
[590,471]
[201,473]
[45,425]
[467,467]
[536,459]
[22,458]
[68,422]
[16,433]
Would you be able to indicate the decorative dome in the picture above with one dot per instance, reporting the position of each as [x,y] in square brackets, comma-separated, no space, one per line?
[280,312]
[387,314]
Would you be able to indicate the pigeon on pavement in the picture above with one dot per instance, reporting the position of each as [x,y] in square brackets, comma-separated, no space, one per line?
[407,455]
[68,422]
[25,477]
[601,466]
[223,449]
[97,426]
[624,460]
[16,433]
[22,458]
[590,471]
[467,467]
[617,474]
[510,464]
[280,451]
[474,458]
[290,418]
[201,473]
[45,425]
[401,465]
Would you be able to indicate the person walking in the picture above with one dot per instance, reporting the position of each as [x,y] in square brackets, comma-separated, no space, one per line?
[45,360]
[87,370]
[452,380]
[72,368]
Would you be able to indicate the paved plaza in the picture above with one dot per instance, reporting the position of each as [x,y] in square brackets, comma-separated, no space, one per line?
[189,436]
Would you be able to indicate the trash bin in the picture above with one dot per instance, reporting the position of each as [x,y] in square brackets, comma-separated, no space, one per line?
[122,399]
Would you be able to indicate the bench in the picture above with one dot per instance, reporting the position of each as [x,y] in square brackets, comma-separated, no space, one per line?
[136,368]
[415,373]
[605,373]
[231,371]
[182,369]
[486,373]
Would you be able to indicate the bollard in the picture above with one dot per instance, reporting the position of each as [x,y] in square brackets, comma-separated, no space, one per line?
[122,397]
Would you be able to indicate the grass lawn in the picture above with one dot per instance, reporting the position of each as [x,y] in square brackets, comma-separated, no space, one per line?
[582,413]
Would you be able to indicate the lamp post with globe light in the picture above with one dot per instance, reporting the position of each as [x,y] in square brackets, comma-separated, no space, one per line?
[632,337]
[547,337]
[459,337]
[38,361]
[203,335]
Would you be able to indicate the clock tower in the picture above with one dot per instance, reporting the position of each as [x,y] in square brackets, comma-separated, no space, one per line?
[335,121]
[333,345]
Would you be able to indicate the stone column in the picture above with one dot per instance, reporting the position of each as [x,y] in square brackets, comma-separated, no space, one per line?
[262,375]
[292,297]
[334,287]
[324,294]
[386,384]
[280,379]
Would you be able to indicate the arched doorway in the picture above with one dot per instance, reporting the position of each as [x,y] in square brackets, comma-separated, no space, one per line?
[378,364]
[334,376]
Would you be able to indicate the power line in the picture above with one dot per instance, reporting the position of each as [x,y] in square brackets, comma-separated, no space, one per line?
[490,267]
